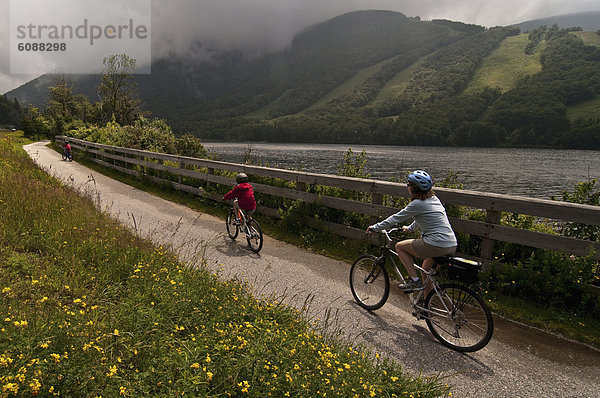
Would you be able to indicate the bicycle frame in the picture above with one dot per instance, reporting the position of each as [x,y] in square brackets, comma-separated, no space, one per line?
[241,215]
[391,256]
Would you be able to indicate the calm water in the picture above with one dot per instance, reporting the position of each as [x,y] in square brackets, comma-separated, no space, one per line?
[537,173]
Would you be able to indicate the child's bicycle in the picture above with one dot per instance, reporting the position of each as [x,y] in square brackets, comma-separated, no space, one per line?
[455,314]
[237,220]
[67,155]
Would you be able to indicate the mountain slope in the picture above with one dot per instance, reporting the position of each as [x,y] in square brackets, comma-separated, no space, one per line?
[588,21]
[380,77]
[506,65]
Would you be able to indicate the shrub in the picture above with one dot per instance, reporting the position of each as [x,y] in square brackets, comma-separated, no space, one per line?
[584,193]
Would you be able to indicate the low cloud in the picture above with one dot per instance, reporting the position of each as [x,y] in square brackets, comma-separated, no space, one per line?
[270,25]
[198,27]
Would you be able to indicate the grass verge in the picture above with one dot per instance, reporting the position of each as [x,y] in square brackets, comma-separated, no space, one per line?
[577,327]
[90,309]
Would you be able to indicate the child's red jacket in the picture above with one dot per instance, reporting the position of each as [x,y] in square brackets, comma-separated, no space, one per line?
[244,194]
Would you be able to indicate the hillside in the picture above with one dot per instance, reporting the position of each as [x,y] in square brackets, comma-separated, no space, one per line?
[588,21]
[507,65]
[387,79]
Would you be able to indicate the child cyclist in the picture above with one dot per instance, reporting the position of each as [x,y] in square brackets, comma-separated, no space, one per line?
[244,193]
[429,215]
[67,149]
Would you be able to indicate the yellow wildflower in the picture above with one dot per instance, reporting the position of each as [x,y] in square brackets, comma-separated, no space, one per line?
[35,386]
[112,370]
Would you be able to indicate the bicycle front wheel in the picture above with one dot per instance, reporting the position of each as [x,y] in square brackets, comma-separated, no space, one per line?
[232,225]
[459,318]
[254,235]
[369,282]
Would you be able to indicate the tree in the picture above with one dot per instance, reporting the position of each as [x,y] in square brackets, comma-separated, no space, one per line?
[10,112]
[60,103]
[118,90]
[35,125]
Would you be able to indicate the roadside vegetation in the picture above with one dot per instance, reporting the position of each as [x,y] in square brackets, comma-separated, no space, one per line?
[90,309]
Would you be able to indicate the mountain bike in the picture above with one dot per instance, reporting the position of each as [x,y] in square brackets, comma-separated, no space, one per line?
[67,155]
[237,221]
[456,315]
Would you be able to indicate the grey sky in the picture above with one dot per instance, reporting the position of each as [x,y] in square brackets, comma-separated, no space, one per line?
[258,25]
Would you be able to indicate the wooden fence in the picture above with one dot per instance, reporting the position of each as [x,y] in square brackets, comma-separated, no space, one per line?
[490,230]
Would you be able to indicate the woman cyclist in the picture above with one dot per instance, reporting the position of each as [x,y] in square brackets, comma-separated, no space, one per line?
[429,215]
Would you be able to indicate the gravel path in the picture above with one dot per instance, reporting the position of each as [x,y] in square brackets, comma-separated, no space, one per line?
[518,362]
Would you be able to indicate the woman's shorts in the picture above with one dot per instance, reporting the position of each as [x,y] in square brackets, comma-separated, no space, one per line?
[424,250]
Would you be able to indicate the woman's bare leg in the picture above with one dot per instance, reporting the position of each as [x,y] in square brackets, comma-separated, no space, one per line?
[406,253]
[427,265]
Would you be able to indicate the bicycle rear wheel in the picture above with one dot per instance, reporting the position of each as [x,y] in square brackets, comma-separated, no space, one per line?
[233,228]
[459,318]
[254,235]
[369,282]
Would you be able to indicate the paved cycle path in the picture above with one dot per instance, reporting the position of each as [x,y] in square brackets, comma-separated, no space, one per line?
[518,362]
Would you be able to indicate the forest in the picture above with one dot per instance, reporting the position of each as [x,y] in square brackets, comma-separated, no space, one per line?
[435,111]
[10,112]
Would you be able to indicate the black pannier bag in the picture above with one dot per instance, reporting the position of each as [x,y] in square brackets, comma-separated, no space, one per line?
[463,270]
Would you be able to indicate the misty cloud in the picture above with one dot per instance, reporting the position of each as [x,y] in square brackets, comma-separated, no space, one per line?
[198,27]
[270,25]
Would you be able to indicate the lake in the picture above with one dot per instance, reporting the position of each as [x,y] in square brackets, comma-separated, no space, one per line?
[538,173]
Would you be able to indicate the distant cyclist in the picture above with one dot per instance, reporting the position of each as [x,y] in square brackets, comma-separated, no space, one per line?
[67,149]
[429,215]
[244,193]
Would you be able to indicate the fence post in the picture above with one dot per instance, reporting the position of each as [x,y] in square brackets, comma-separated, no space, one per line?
[487,244]
[376,200]
[181,166]
[210,171]
[300,186]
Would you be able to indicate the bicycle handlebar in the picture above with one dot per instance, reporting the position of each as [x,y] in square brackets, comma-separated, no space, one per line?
[388,232]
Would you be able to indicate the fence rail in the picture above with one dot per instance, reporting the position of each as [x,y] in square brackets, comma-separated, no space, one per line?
[123,159]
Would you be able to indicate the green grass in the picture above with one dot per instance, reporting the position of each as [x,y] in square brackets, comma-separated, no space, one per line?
[584,109]
[351,84]
[574,326]
[90,309]
[396,85]
[589,38]
[265,111]
[506,65]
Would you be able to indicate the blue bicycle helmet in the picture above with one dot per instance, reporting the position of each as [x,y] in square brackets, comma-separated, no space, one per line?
[421,179]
